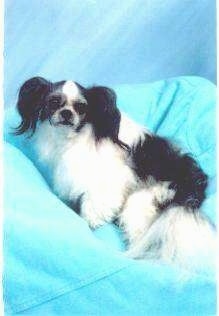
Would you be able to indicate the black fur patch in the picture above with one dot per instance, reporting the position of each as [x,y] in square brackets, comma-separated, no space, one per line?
[103,113]
[156,157]
[30,103]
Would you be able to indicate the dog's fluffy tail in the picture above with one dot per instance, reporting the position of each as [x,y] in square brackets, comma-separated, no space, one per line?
[178,236]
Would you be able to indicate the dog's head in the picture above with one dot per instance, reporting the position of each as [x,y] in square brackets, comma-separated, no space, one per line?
[68,104]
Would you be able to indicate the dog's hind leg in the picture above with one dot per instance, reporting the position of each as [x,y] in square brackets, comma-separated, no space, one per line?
[142,209]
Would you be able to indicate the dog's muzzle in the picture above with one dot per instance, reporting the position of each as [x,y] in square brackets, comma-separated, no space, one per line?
[66,117]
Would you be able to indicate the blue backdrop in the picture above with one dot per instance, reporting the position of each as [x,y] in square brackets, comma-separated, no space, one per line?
[107,41]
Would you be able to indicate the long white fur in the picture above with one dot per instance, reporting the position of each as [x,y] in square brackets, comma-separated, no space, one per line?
[130,132]
[110,189]
[178,236]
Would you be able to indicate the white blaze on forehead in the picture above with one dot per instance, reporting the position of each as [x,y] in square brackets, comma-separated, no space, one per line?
[71,90]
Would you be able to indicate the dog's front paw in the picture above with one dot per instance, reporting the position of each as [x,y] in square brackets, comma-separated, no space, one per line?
[96,215]
[94,221]
[91,215]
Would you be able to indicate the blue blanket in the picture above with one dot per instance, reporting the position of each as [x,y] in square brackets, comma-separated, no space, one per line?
[55,265]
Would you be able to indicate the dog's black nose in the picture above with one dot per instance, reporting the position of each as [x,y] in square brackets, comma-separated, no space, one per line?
[66,114]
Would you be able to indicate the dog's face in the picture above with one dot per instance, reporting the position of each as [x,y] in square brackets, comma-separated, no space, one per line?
[68,104]
[65,104]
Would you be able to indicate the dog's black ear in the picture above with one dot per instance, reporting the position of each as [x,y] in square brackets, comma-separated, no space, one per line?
[103,112]
[30,103]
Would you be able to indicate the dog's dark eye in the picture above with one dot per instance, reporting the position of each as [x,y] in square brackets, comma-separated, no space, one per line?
[80,107]
[54,102]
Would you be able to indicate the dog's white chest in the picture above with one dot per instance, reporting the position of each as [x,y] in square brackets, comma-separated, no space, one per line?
[79,165]
[85,167]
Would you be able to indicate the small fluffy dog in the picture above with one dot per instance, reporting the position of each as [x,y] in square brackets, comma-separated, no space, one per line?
[108,168]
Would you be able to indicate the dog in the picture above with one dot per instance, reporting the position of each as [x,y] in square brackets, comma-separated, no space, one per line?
[110,169]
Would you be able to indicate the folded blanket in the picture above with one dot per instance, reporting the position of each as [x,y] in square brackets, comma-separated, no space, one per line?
[55,265]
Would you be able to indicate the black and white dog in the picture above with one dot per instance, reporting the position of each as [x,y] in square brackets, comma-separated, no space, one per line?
[109,168]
